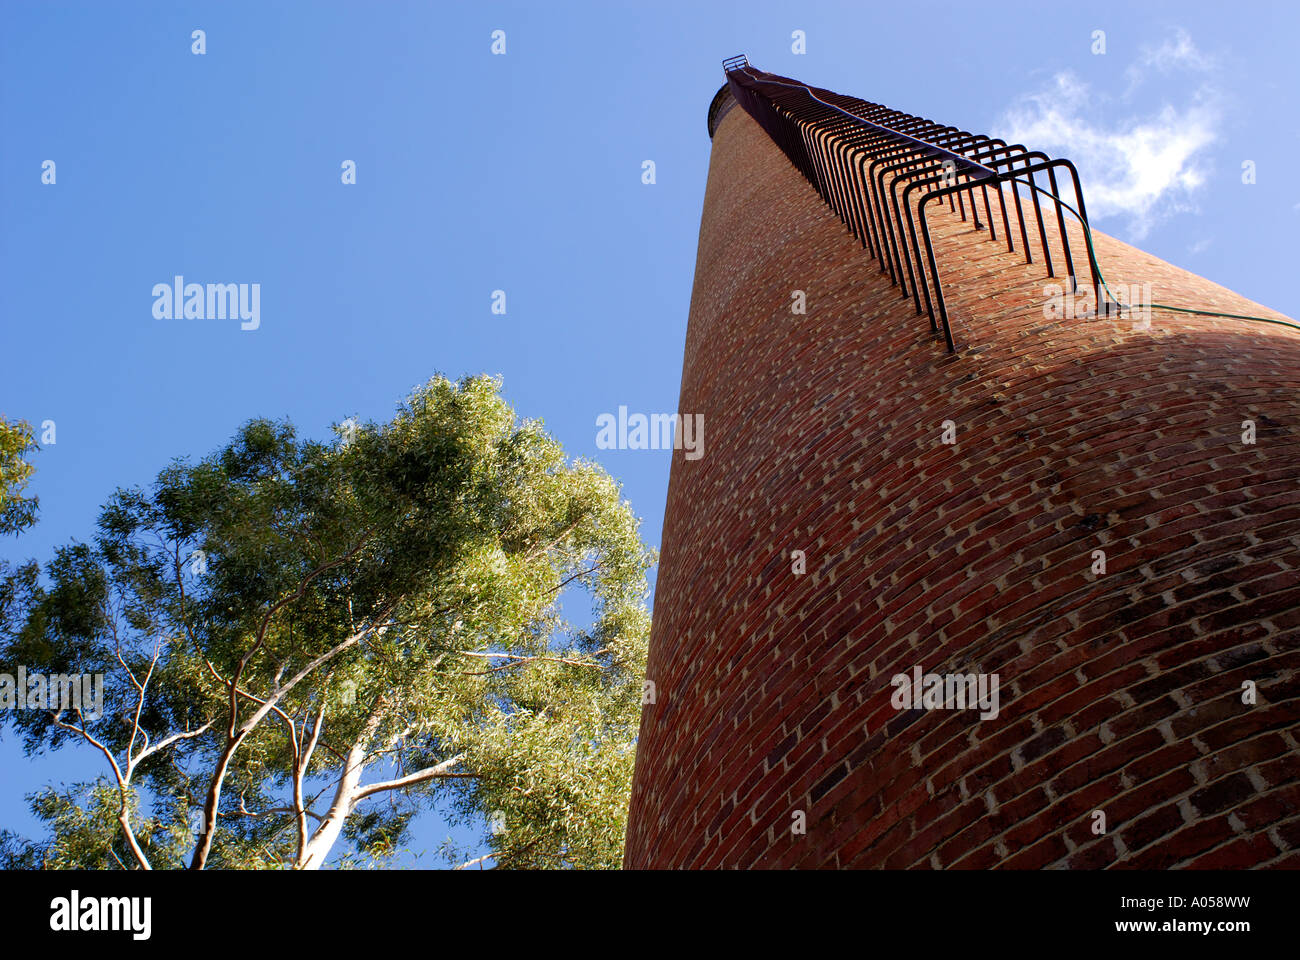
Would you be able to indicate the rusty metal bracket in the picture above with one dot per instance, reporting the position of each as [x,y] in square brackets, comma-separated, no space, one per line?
[857,154]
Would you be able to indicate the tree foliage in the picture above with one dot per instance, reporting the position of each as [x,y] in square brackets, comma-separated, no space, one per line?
[304,644]
[17,442]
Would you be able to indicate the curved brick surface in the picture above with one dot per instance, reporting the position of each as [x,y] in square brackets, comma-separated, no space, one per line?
[1120,693]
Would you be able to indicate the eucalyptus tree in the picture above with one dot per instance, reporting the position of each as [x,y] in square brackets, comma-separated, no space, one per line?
[17,442]
[305,644]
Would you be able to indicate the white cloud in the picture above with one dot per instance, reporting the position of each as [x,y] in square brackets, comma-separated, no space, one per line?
[1143,167]
[1175,53]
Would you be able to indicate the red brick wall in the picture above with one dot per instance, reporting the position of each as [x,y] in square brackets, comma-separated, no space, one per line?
[1120,693]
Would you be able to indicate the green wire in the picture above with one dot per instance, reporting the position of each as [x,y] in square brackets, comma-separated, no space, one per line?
[1092,255]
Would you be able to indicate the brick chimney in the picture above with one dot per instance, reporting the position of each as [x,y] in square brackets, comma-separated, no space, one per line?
[1102,513]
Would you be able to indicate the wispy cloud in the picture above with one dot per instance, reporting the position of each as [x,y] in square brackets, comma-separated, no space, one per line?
[1173,53]
[1145,167]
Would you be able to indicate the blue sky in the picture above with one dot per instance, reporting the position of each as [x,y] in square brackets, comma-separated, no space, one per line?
[478,172]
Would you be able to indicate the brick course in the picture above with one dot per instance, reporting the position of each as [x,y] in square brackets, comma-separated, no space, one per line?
[1120,692]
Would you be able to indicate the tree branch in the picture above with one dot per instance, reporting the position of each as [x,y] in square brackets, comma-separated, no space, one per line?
[519,659]
[168,741]
[238,735]
[124,811]
[301,764]
[470,863]
[420,776]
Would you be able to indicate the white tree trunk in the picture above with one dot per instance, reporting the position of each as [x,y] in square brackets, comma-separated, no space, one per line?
[318,848]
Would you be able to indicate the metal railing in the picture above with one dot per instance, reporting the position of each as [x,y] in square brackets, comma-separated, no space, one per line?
[857,155]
